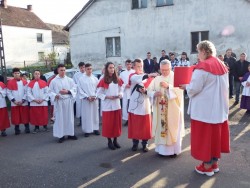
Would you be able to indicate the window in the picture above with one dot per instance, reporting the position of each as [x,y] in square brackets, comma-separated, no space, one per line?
[113,47]
[39,37]
[160,3]
[196,37]
[136,4]
[41,56]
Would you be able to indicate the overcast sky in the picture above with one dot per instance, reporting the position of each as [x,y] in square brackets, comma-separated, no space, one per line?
[52,11]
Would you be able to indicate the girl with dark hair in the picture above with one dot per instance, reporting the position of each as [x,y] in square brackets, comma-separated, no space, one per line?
[110,92]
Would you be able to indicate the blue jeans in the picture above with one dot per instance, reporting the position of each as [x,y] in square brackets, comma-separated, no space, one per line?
[238,87]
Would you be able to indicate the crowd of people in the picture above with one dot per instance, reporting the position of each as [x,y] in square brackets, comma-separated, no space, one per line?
[143,96]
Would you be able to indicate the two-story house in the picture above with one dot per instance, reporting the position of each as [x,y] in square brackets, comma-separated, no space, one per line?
[26,37]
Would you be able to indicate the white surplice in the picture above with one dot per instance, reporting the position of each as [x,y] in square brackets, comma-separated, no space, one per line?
[124,76]
[63,107]
[3,93]
[206,91]
[37,93]
[76,78]
[87,87]
[169,141]
[19,94]
[246,89]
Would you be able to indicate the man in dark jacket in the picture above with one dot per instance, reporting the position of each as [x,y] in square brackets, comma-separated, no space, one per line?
[241,68]
[163,56]
[148,64]
[230,61]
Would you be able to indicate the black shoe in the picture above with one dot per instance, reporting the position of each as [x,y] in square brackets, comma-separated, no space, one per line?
[96,132]
[145,148]
[115,143]
[230,97]
[236,102]
[72,138]
[111,146]
[36,131]
[45,128]
[135,147]
[248,111]
[86,134]
[17,132]
[3,134]
[27,131]
[173,156]
[61,140]
[126,123]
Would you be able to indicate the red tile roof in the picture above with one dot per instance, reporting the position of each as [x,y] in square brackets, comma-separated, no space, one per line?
[59,36]
[20,17]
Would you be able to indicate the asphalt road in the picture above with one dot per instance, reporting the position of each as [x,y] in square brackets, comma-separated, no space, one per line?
[37,160]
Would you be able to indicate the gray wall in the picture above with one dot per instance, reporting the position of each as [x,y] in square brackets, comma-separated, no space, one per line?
[156,28]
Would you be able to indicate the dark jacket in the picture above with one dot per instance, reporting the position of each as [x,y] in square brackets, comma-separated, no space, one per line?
[231,63]
[148,68]
[162,58]
[241,68]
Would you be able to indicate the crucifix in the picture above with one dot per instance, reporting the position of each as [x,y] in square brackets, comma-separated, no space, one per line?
[162,102]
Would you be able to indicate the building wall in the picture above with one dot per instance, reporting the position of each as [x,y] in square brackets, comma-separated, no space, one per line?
[61,50]
[156,28]
[20,44]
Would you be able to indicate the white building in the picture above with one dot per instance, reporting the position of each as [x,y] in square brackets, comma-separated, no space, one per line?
[114,30]
[26,37]
[60,42]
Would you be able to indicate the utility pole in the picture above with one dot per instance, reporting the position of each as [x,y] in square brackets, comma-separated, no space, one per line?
[2,56]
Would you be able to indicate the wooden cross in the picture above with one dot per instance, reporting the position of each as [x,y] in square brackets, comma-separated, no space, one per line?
[162,102]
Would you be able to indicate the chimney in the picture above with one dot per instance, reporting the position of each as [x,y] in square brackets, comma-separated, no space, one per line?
[4,3]
[29,8]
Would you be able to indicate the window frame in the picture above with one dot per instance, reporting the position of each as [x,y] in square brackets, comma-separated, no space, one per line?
[41,55]
[37,38]
[165,3]
[139,3]
[114,45]
[199,39]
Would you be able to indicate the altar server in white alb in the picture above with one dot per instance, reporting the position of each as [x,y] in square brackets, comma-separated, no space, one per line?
[4,117]
[38,96]
[168,119]
[124,76]
[63,90]
[87,87]
[76,78]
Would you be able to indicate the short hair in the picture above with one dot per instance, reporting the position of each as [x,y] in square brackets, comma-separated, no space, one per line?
[88,65]
[81,64]
[149,53]
[1,78]
[60,65]
[163,51]
[37,71]
[154,57]
[184,53]
[55,71]
[15,70]
[208,47]
[229,49]
[138,61]
[165,62]
[128,61]
[171,54]
[244,54]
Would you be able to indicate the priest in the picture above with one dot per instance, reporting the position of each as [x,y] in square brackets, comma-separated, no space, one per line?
[168,119]
[63,90]
[38,96]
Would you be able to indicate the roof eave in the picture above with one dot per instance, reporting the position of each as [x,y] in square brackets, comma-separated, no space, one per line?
[75,18]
